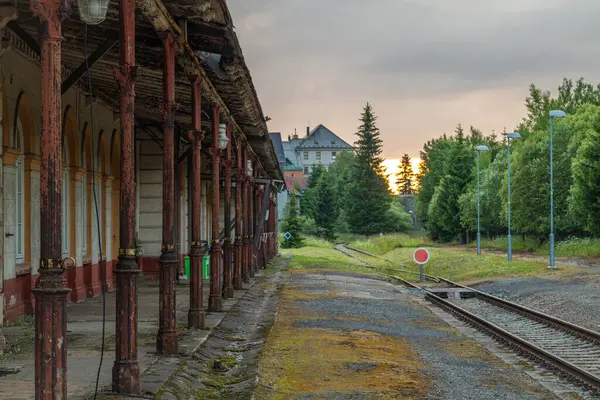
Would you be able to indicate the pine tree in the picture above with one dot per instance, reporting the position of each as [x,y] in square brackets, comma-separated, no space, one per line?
[308,201]
[405,176]
[291,224]
[368,198]
[326,210]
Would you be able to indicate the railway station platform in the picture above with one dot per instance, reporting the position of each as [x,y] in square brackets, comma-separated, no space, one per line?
[84,330]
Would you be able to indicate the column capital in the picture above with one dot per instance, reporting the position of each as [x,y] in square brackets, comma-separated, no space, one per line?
[10,156]
[78,173]
[32,162]
[108,181]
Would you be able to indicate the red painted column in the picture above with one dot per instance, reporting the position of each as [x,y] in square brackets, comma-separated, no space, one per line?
[126,369]
[246,231]
[238,246]
[228,247]
[215,301]
[250,219]
[257,221]
[166,341]
[50,288]
[196,311]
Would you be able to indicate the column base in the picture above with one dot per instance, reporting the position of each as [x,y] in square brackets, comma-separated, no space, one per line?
[195,319]
[166,343]
[215,303]
[229,292]
[126,377]
[237,284]
[166,340]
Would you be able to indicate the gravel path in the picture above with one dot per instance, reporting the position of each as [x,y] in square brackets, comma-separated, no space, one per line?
[576,300]
[345,336]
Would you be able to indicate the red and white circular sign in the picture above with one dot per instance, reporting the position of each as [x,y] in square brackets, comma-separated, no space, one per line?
[421,256]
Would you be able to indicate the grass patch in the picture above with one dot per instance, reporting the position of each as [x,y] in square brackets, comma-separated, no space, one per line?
[526,244]
[384,244]
[458,265]
[323,258]
[312,241]
[570,247]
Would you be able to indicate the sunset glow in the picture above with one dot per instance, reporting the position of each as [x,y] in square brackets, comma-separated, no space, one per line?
[392,169]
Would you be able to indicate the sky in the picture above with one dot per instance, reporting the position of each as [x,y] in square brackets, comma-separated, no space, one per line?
[424,65]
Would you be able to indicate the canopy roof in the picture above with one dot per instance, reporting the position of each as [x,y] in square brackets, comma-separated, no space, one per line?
[211,49]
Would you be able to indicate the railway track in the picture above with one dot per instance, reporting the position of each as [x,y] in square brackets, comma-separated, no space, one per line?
[569,350]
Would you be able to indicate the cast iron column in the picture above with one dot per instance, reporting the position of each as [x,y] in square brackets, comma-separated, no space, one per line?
[215,302]
[257,222]
[228,248]
[245,238]
[166,341]
[237,281]
[50,288]
[251,219]
[126,369]
[196,312]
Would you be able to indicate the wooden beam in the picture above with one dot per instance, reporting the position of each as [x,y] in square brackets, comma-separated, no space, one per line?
[26,37]
[91,60]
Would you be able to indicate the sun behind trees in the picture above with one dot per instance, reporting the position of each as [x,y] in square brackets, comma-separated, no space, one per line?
[406,176]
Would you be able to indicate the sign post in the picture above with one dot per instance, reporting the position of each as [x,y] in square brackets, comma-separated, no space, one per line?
[421,257]
[287,237]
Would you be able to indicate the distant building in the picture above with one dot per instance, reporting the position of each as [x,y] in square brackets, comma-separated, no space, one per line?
[319,146]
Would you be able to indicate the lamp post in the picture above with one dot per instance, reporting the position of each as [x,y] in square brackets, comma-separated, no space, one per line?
[512,135]
[479,149]
[553,114]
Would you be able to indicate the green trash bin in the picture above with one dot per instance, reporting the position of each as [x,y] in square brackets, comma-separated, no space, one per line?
[205,267]
[186,266]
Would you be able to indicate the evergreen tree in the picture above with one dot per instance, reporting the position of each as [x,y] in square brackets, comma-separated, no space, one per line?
[291,224]
[326,209]
[368,197]
[405,179]
[308,201]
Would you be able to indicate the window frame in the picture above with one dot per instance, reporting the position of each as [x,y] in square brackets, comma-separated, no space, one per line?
[318,155]
[306,155]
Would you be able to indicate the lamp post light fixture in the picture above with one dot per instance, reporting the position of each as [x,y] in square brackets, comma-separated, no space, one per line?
[511,135]
[479,149]
[223,139]
[553,114]
[93,12]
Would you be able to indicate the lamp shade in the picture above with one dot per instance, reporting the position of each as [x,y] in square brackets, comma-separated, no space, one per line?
[92,12]
[223,139]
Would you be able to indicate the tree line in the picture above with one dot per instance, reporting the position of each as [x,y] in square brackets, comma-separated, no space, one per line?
[447,185]
[352,195]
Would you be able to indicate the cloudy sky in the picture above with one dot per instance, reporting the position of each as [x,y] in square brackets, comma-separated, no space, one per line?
[424,65]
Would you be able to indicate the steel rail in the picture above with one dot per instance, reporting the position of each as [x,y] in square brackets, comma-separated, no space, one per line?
[541,317]
[531,350]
